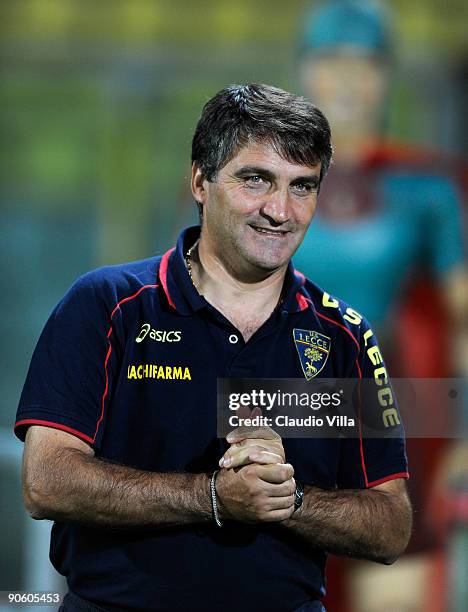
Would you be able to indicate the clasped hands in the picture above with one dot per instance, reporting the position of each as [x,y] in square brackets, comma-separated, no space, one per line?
[255,484]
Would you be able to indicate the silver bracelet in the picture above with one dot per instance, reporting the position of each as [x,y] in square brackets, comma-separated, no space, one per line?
[214,503]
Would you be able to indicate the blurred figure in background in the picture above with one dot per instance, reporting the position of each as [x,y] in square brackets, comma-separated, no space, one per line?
[389,225]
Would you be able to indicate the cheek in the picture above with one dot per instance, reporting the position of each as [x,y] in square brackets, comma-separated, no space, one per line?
[220,219]
[306,212]
[244,201]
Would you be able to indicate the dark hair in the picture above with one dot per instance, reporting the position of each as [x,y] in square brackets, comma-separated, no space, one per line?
[242,114]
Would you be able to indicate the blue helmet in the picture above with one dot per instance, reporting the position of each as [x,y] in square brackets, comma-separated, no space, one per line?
[352,23]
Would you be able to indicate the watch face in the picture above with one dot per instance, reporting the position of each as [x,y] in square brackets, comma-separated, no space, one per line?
[298,495]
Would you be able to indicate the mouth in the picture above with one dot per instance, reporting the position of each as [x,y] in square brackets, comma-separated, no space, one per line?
[268,231]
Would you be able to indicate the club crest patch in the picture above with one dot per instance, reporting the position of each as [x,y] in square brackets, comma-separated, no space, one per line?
[313,350]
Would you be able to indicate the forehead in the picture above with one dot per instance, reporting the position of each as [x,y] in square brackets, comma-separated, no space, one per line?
[346,61]
[264,155]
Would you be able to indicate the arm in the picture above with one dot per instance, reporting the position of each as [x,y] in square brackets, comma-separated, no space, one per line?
[372,524]
[64,481]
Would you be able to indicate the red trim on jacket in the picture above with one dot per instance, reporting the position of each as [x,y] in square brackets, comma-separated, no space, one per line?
[75,432]
[302,301]
[342,327]
[109,352]
[374,483]
[163,276]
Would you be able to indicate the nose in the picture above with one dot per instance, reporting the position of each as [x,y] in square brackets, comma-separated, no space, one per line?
[277,208]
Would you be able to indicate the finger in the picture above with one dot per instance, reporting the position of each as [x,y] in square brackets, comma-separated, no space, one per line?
[265,457]
[245,456]
[275,474]
[275,446]
[284,489]
[244,412]
[279,503]
[254,444]
[241,433]
[276,516]
[240,452]
[271,446]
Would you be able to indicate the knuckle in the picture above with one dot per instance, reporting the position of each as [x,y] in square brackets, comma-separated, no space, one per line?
[261,505]
[235,462]
[276,458]
[256,448]
[255,490]
[254,494]
[240,455]
[248,472]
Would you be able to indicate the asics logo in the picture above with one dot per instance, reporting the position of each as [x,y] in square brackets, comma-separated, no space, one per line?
[158,335]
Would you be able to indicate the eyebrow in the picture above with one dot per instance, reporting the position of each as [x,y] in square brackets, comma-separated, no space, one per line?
[245,170]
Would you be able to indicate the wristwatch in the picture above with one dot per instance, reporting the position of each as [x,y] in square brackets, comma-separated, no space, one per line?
[298,495]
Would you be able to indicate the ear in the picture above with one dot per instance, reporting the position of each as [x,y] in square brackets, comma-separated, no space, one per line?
[197,184]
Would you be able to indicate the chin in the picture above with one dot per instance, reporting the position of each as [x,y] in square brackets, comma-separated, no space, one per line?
[270,263]
[266,259]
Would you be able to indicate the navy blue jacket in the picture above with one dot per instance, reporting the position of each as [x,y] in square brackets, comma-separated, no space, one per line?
[128,362]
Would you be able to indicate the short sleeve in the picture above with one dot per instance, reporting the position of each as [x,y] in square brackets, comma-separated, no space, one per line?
[369,460]
[71,370]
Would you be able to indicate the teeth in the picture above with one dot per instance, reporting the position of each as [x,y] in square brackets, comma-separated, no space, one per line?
[265,231]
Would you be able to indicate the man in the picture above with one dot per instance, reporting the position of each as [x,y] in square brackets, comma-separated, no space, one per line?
[119,407]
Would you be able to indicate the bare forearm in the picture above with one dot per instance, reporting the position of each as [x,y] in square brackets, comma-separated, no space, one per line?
[365,524]
[80,488]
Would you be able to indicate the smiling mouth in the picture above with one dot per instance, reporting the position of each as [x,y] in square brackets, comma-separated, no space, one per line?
[269,232]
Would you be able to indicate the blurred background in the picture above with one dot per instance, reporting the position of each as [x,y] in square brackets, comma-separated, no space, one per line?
[98,105]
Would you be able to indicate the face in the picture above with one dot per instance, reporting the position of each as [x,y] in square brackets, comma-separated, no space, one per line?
[348,86]
[257,211]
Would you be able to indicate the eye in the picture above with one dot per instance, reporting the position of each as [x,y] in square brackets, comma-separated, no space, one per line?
[255,181]
[304,189]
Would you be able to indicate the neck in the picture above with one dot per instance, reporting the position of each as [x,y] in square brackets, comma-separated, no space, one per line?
[235,298]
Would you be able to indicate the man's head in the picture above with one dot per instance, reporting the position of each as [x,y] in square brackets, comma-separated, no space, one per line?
[259,155]
[245,114]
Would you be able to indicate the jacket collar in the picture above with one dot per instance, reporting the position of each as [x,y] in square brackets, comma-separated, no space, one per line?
[182,295]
